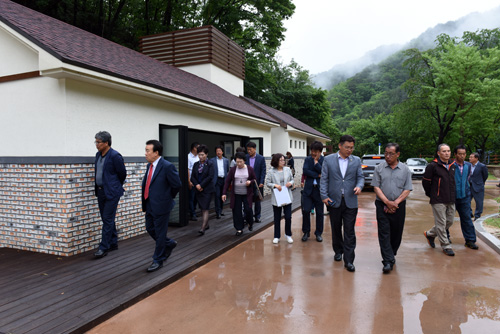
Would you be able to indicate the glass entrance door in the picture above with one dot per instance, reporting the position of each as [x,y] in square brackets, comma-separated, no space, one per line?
[174,141]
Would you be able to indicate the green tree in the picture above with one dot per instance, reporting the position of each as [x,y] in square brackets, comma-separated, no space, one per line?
[289,88]
[448,86]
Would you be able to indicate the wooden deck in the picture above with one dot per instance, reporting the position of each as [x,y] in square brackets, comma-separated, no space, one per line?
[42,293]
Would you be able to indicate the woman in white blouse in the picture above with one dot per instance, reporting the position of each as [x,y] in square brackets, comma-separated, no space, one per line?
[280,178]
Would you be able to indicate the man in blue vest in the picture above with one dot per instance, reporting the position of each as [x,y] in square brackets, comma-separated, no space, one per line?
[463,196]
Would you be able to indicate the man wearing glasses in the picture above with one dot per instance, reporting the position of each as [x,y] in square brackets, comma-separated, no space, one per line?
[341,182]
[110,174]
[392,184]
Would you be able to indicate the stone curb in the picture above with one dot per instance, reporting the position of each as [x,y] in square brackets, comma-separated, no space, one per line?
[489,239]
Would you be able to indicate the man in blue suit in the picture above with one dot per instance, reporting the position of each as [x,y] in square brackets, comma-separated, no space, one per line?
[160,186]
[258,163]
[341,182]
[479,175]
[221,168]
[311,198]
[110,174]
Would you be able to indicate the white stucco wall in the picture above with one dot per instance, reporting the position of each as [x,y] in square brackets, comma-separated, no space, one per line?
[218,76]
[298,145]
[280,140]
[15,56]
[33,118]
[59,117]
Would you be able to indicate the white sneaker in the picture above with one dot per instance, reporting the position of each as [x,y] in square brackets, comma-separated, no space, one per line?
[276,240]
[289,239]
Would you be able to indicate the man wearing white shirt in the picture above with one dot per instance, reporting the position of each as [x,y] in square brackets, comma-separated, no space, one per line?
[221,168]
[341,182]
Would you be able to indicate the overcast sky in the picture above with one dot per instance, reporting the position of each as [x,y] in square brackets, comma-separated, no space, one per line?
[323,33]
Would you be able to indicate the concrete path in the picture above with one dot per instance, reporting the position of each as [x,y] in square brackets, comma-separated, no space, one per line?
[259,287]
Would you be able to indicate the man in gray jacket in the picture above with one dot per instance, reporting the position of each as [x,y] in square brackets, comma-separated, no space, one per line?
[341,182]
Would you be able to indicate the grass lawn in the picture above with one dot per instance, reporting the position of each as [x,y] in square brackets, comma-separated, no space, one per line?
[493,221]
[492,177]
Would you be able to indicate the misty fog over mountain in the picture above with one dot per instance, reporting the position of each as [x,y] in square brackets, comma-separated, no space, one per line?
[472,22]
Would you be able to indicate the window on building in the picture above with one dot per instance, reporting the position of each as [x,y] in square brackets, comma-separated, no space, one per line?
[295,144]
[291,143]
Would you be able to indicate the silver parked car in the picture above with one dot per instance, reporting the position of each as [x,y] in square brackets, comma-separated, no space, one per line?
[368,164]
[417,166]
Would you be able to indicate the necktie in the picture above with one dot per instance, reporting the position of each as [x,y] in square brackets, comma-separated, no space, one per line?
[148,182]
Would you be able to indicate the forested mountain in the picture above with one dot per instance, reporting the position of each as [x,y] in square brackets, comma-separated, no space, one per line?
[449,93]
[471,22]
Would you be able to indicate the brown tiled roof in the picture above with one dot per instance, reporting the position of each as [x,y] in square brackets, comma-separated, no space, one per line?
[77,47]
[286,118]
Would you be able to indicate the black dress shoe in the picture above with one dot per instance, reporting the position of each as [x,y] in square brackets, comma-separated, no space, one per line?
[387,268]
[471,245]
[319,238]
[257,220]
[250,227]
[238,233]
[305,236]
[449,252]
[430,240]
[113,247]
[169,250]
[350,267]
[217,217]
[201,232]
[338,257]
[100,254]
[155,266]
[222,214]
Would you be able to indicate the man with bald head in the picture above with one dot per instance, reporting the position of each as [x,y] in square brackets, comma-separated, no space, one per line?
[439,185]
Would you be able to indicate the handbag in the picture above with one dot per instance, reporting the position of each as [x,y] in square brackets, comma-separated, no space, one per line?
[257,196]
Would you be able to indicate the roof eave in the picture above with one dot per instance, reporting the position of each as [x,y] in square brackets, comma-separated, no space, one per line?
[82,74]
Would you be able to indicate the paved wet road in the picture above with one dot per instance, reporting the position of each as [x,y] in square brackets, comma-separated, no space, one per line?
[259,287]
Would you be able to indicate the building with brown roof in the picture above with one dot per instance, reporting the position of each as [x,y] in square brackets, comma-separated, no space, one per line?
[60,85]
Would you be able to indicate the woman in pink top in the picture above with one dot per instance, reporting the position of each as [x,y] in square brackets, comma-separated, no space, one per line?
[240,178]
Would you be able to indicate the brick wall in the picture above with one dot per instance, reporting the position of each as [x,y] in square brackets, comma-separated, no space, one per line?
[51,208]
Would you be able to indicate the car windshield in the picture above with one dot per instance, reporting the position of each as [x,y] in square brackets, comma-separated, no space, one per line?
[415,162]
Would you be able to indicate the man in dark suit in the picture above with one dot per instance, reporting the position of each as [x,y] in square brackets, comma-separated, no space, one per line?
[341,182]
[221,168]
[258,163]
[160,186]
[311,198]
[479,175]
[110,174]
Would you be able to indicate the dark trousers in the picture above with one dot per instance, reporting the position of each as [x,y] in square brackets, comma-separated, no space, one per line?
[478,198]
[157,227]
[107,209]
[308,203]
[192,202]
[390,230]
[287,210]
[219,185]
[346,217]
[464,211]
[241,200]
[256,210]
